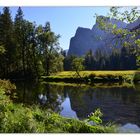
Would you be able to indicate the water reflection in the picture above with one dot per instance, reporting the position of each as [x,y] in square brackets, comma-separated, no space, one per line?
[120,105]
[129,128]
[42,98]
[67,110]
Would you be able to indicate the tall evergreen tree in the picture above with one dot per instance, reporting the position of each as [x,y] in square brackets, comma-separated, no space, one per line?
[89,61]
[19,37]
[6,40]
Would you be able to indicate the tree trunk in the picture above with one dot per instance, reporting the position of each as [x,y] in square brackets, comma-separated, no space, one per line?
[23,59]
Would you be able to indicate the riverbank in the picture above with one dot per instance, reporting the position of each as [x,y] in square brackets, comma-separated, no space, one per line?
[95,85]
[95,77]
[18,118]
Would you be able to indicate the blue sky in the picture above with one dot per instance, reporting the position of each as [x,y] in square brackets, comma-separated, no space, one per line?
[64,20]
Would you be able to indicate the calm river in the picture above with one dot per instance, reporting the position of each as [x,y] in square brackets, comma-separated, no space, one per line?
[120,105]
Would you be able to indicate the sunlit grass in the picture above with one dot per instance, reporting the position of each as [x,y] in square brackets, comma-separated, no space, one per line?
[97,73]
[126,76]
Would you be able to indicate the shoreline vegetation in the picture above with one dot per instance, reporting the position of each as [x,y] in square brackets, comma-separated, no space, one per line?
[96,85]
[93,77]
[38,120]
[18,118]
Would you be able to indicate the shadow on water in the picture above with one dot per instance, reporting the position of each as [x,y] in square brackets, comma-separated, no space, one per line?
[31,93]
[120,105]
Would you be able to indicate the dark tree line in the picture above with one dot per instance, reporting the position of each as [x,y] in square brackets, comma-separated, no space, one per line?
[27,50]
[123,59]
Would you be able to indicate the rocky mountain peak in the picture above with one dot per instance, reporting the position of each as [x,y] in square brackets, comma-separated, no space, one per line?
[86,39]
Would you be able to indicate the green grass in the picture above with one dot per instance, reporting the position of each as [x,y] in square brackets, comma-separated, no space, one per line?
[97,73]
[96,76]
[18,118]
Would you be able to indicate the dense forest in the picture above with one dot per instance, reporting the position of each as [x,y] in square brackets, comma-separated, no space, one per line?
[124,59]
[27,50]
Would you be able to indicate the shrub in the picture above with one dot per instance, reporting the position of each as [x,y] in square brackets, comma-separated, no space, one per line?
[7,86]
[95,117]
[128,78]
[92,77]
[137,76]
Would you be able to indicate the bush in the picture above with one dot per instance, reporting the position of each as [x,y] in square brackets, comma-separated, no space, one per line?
[128,78]
[91,77]
[137,76]
[7,86]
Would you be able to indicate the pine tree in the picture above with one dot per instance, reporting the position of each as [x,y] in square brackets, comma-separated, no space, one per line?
[6,40]
[20,40]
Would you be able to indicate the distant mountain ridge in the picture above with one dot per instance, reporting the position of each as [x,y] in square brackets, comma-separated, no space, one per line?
[86,39]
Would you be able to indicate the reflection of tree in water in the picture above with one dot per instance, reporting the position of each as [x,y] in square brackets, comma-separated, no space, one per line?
[117,104]
[48,96]
[78,104]
[54,97]
[26,92]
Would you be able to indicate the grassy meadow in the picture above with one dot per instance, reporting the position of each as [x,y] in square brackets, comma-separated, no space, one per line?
[96,76]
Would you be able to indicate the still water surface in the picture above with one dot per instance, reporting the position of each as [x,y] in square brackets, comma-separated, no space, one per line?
[118,104]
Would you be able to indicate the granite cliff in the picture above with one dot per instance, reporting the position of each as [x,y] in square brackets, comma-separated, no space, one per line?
[86,39]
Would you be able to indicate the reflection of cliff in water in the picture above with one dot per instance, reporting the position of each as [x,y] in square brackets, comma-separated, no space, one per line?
[121,105]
